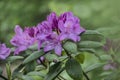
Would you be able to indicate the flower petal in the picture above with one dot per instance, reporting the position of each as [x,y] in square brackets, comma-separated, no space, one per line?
[58,50]
[19,49]
[4,51]
[18,30]
[73,37]
[61,25]
[63,36]
[48,47]
[2,57]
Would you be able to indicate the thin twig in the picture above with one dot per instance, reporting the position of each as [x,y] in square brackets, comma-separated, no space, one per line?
[86,76]
[43,63]
[3,77]
[62,77]
[66,50]
[60,72]
[59,78]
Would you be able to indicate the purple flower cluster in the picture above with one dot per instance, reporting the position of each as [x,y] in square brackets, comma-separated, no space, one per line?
[4,51]
[49,34]
[23,39]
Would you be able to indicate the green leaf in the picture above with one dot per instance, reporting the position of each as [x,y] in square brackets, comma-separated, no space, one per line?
[51,57]
[14,58]
[16,72]
[90,50]
[93,32]
[94,66]
[27,78]
[106,57]
[92,35]
[33,56]
[37,78]
[33,47]
[74,70]
[54,71]
[62,58]
[34,73]
[1,70]
[30,66]
[9,74]
[115,75]
[80,58]
[12,49]
[105,73]
[70,47]
[89,44]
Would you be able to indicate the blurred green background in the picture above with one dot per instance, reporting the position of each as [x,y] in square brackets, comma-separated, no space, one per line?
[101,15]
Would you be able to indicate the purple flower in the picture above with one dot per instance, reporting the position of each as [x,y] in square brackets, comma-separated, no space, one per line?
[69,27]
[41,59]
[53,20]
[31,31]
[4,51]
[56,29]
[53,42]
[23,39]
[66,25]
[44,30]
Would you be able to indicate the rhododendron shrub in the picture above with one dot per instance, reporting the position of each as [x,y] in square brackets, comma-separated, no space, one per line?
[53,46]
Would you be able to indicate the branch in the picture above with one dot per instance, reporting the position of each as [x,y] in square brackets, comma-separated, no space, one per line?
[86,76]
[3,77]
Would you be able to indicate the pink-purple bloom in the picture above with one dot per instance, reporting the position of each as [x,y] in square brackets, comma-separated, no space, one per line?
[41,59]
[69,26]
[44,30]
[23,39]
[53,42]
[53,20]
[49,34]
[4,51]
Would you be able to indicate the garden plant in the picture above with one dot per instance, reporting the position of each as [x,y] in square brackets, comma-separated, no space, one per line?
[53,48]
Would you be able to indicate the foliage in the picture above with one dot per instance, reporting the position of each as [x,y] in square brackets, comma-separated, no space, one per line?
[101,18]
[52,69]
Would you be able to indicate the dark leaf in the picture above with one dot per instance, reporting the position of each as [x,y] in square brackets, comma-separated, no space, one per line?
[80,58]
[70,47]
[14,58]
[92,32]
[74,70]
[54,71]
[89,44]
[16,72]
[33,56]
[51,57]
[92,35]
[35,73]
[1,70]
[27,78]
[8,70]
[30,66]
